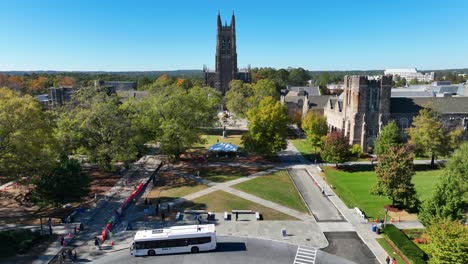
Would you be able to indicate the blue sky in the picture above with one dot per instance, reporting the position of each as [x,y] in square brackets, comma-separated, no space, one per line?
[169,35]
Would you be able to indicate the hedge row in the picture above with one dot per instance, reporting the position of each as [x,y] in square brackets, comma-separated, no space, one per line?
[19,241]
[405,245]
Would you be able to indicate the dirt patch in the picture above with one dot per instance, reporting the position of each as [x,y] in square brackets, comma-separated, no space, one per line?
[16,206]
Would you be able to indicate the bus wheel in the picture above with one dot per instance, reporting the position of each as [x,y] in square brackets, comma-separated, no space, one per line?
[151,253]
[194,250]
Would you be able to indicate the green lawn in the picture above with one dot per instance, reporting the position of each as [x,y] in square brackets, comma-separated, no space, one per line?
[386,246]
[221,201]
[305,148]
[276,187]
[353,187]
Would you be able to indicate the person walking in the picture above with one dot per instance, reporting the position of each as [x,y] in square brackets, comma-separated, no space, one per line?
[156,210]
[62,240]
[387,260]
[168,207]
[237,215]
[96,243]
[49,223]
[163,216]
[323,191]
[394,261]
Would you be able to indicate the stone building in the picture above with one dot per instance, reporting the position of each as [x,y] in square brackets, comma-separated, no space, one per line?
[363,109]
[226,59]
[367,104]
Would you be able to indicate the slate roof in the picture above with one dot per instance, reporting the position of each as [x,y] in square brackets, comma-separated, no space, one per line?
[319,102]
[444,105]
[311,90]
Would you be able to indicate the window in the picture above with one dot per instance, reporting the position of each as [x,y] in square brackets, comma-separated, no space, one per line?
[199,240]
[404,123]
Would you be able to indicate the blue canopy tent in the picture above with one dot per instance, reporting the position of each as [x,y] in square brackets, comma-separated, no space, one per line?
[223,148]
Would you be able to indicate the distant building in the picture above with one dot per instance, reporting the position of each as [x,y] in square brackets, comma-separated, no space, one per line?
[58,96]
[410,74]
[226,59]
[335,88]
[43,99]
[368,103]
[116,85]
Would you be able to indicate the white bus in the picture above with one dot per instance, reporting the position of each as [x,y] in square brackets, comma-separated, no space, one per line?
[176,239]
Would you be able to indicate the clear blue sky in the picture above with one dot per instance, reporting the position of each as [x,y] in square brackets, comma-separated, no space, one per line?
[169,35]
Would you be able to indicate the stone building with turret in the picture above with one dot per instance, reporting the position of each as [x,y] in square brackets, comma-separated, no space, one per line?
[226,59]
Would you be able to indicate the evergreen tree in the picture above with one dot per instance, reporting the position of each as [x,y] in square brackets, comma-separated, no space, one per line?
[389,137]
[394,173]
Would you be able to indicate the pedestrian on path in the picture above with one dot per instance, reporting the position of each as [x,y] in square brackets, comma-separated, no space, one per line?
[156,210]
[323,191]
[49,223]
[163,216]
[150,203]
[394,261]
[168,208]
[96,243]
[62,240]
[146,201]
[387,260]
[237,215]
[74,255]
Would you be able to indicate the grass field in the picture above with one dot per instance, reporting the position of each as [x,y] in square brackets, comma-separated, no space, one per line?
[221,201]
[353,185]
[169,187]
[386,246]
[305,148]
[276,187]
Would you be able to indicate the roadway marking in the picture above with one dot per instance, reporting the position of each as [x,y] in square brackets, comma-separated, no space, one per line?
[305,255]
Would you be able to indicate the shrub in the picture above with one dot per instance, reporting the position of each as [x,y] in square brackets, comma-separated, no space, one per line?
[16,241]
[355,150]
[405,245]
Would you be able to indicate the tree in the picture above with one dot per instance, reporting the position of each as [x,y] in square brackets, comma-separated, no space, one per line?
[298,76]
[394,173]
[26,141]
[100,127]
[448,242]
[63,184]
[389,137]
[335,148]
[268,125]
[173,116]
[450,197]
[316,128]
[264,88]
[428,135]
[237,98]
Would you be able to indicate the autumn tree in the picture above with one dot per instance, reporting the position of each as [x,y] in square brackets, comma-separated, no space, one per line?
[268,125]
[448,242]
[335,148]
[64,183]
[316,128]
[450,197]
[428,135]
[389,137]
[394,173]
[26,141]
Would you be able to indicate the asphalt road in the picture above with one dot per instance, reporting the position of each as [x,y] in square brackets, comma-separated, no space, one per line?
[229,250]
[348,245]
[320,206]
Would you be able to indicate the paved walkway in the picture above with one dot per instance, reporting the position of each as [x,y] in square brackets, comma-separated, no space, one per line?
[317,203]
[94,219]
